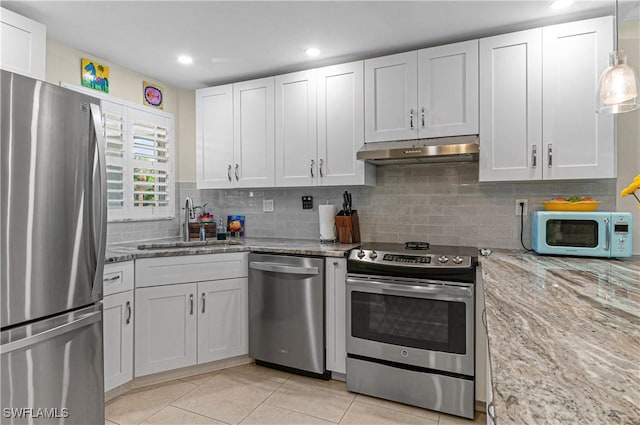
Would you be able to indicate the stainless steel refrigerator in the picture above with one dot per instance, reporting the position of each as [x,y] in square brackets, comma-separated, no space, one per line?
[53,224]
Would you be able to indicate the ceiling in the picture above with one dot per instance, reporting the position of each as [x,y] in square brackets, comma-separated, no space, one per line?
[238,40]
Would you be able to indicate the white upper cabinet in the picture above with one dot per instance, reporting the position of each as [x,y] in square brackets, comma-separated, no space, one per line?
[320,127]
[448,90]
[538,102]
[341,126]
[253,135]
[421,94]
[511,106]
[235,135]
[295,118]
[214,135]
[23,45]
[391,97]
[578,143]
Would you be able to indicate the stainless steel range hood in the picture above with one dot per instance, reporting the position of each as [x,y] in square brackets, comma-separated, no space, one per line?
[443,149]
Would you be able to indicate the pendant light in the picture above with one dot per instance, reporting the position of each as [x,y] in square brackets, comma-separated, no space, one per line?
[618,86]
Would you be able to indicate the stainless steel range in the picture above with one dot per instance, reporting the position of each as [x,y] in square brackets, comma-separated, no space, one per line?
[410,324]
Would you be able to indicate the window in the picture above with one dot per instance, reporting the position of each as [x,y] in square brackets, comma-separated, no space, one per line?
[139,148]
[139,157]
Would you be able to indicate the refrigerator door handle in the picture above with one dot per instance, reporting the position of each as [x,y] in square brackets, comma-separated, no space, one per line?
[51,333]
[100,213]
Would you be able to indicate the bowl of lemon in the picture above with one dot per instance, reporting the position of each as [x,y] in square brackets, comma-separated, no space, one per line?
[572,203]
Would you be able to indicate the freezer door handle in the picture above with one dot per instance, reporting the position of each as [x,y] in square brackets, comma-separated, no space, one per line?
[282,268]
[100,190]
[51,333]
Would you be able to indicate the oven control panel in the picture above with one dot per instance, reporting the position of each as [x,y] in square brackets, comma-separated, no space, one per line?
[396,259]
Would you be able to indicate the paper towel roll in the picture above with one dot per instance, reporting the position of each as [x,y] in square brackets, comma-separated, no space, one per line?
[327,222]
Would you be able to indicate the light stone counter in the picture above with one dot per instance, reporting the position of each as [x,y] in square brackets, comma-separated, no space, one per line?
[129,251]
[564,338]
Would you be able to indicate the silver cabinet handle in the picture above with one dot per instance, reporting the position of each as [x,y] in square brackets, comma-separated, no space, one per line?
[312,163]
[423,117]
[411,118]
[607,234]
[51,333]
[229,172]
[320,167]
[128,313]
[235,171]
[112,278]
[282,268]
[490,411]
[550,153]
[534,156]
[204,298]
[191,304]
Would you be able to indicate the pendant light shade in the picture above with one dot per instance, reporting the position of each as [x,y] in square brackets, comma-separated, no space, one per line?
[618,86]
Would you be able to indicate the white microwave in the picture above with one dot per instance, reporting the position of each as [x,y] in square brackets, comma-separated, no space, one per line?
[589,234]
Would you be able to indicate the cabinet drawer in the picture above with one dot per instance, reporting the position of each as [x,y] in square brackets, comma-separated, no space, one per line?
[117,277]
[190,268]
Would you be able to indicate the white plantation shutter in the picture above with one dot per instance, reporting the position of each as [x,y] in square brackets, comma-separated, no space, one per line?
[113,120]
[150,165]
[139,146]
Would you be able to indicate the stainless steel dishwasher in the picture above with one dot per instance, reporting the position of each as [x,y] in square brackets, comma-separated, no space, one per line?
[286,313]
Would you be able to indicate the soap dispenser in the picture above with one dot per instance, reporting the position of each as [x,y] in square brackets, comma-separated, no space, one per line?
[221,230]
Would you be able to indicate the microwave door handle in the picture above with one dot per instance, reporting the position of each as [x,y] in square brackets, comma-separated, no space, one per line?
[607,234]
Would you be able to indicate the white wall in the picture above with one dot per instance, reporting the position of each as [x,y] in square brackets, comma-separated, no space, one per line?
[629,132]
[63,64]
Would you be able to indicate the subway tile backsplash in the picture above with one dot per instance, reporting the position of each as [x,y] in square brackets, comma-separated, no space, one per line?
[438,203]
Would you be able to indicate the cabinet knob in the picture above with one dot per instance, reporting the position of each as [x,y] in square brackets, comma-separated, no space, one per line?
[550,154]
[236,172]
[229,173]
[320,167]
[312,164]
[411,118]
[534,156]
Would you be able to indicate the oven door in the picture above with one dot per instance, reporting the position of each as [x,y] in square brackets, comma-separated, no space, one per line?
[424,323]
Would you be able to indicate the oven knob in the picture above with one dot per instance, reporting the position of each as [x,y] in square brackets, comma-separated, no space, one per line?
[361,254]
[457,260]
[373,255]
[443,259]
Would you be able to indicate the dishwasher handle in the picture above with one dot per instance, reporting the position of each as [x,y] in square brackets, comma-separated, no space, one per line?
[282,268]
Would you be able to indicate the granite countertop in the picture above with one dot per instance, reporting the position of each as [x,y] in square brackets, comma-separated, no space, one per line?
[129,251]
[564,338]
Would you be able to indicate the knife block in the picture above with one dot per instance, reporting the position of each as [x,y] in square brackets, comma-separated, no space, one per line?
[209,228]
[348,228]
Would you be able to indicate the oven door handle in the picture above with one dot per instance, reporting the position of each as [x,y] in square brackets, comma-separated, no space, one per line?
[452,290]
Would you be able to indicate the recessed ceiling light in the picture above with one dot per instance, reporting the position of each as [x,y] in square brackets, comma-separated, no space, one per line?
[312,51]
[561,4]
[185,60]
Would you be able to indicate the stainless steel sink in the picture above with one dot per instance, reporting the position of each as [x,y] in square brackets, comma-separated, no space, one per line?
[190,244]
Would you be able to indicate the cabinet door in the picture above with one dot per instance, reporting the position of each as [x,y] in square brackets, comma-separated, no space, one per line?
[391,97]
[448,90]
[341,126]
[223,313]
[296,163]
[165,328]
[336,310]
[511,106]
[578,143]
[118,339]
[214,136]
[23,45]
[253,120]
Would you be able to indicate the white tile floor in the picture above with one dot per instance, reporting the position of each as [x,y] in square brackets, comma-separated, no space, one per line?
[251,394]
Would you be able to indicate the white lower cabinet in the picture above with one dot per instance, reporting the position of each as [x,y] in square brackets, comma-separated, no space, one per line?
[190,310]
[336,311]
[166,328]
[223,313]
[118,339]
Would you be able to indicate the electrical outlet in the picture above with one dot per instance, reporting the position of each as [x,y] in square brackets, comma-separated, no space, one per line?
[520,210]
[307,202]
[267,205]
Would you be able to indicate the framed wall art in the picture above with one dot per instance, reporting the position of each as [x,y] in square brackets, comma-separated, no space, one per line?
[94,75]
[153,95]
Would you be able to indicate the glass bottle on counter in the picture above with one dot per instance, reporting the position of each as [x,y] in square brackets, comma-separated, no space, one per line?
[221,230]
